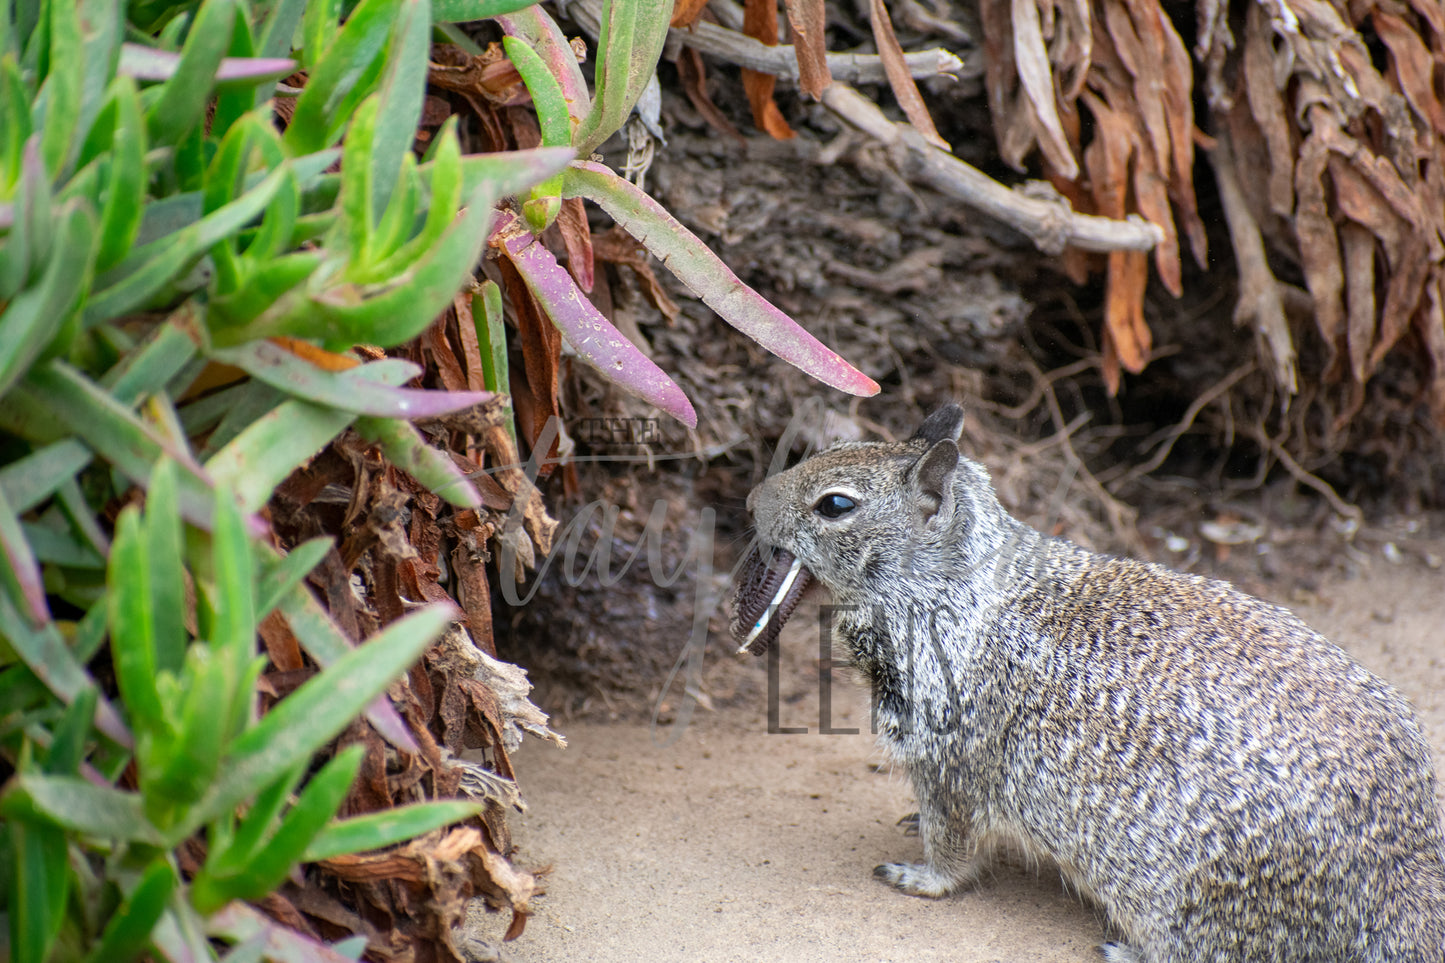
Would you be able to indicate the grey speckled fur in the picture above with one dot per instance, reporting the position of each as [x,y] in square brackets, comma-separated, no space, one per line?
[1227,783]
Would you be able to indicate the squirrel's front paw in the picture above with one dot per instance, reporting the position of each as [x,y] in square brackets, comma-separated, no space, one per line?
[915,879]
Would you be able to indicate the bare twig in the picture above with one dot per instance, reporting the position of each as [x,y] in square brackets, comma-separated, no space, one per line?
[1121,517]
[1302,476]
[780,61]
[1177,431]
[1047,221]
[1015,412]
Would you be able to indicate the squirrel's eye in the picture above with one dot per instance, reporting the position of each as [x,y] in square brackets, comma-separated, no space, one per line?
[834,505]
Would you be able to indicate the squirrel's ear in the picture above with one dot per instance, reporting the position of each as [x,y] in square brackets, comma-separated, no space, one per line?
[945,423]
[932,476]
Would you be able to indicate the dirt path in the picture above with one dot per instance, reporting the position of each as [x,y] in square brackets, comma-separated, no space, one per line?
[736,844]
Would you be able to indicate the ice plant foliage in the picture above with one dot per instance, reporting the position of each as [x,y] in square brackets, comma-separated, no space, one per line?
[213,224]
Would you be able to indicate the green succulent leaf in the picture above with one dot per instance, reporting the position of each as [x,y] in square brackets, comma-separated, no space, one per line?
[433,467]
[144,273]
[280,27]
[344,315]
[181,106]
[629,44]
[56,110]
[319,26]
[15,125]
[40,883]
[164,550]
[272,446]
[149,63]
[465,11]
[79,805]
[443,176]
[492,333]
[282,575]
[545,202]
[128,931]
[357,389]
[27,243]
[326,643]
[41,318]
[67,747]
[28,481]
[403,87]
[45,653]
[133,625]
[268,865]
[314,714]
[345,76]
[20,577]
[112,430]
[150,366]
[695,265]
[539,31]
[387,828]
[120,217]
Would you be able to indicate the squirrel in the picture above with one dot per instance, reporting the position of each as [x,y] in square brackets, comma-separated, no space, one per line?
[1224,781]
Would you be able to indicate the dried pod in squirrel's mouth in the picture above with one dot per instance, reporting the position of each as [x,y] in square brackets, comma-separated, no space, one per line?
[769,586]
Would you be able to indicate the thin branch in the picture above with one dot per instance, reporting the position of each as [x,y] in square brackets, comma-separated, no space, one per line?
[780,61]
[1047,221]
[1121,518]
[1015,412]
[1302,476]
[1174,433]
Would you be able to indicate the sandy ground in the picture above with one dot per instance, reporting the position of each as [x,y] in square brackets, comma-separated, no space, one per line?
[731,843]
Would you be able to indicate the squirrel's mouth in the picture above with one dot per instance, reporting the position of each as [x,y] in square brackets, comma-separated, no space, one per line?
[769,586]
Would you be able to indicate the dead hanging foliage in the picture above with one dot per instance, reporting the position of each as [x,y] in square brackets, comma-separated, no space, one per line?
[452,724]
[460,713]
[1331,163]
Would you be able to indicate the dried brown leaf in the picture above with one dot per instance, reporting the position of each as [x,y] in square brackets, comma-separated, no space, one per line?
[686,12]
[693,75]
[1124,308]
[439,347]
[1072,47]
[760,21]
[1432,13]
[807,23]
[900,78]
[541,358]
[515,886]
[1402,297]
[1143,59]
[1431,321]
[1107,158]
[1318,243]
[1036,77]
[469,560]
[1359,250]
[1013,128]
[1179,114]
[1109,368]
[281,645]
[1151,195]
[616,246]
[471,351]
[577,240]
[488,78]
[1267,108]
